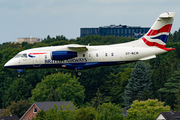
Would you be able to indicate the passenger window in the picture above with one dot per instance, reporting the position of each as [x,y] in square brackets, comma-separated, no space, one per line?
[96,54]
[112,54]
[105,54]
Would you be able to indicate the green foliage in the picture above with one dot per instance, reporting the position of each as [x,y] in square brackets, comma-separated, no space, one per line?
[17,108]
[115,85]
[68,87]
[88,113]
[54,95]
[175,37]
[172,84]
[109,111]
[102,40]
[95,78]
[139,83]
[177,105]
[170,88]
[146,117]
[18,90]
[149,108]
[97,100]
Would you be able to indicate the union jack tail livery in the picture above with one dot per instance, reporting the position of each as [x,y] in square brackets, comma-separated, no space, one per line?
[158,34]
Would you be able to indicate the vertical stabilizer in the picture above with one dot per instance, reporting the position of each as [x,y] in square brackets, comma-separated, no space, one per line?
[158,34]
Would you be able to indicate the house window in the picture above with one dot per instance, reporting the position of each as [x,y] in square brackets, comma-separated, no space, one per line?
[35,110]
[89,55]
[105,54]
[83,55]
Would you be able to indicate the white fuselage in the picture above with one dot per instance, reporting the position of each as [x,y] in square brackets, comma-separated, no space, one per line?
[95,56]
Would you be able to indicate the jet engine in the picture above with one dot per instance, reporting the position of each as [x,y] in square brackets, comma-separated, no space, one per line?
[63,55]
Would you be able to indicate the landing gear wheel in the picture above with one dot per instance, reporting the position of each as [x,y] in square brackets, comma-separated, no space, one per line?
[19,74]
[78,73]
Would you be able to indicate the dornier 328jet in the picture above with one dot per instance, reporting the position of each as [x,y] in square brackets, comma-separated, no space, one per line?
[80,57]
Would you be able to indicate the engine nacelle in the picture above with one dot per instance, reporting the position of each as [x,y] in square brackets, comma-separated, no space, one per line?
[63,55]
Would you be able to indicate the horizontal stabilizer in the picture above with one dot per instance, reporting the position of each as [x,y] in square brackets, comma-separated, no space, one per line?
[149,57]
[166,15]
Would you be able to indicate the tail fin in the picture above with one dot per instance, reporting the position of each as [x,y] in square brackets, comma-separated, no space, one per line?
[159,32]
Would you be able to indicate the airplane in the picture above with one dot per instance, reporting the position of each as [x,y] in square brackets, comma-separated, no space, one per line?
[81,57]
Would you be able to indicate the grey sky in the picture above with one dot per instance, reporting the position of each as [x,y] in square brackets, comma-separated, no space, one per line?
[39,18]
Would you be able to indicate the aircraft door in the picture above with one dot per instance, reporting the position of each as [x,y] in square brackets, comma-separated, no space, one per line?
[36,59]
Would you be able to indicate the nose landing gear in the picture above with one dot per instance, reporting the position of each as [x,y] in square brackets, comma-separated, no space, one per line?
[19,72]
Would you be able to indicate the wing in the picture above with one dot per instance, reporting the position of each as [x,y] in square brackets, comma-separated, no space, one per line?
[76,47]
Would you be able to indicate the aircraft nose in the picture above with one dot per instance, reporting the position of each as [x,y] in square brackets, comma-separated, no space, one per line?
[8,64]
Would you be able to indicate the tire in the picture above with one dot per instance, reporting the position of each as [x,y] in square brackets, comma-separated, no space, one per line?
[79,73]
[19,75]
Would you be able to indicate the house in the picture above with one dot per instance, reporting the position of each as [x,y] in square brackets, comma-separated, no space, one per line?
[38,106]
[9,118]
[169,116]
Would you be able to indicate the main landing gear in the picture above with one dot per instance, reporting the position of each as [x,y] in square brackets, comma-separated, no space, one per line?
[78,72]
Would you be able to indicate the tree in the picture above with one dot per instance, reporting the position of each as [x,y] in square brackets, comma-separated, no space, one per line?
[54,95]
[170,88]
[88,113]
[69,88]
[18,90]
[149,108]
[109,111]
[97,100]
[115,85]
[159,76]
[177,105]
[17,108]
[139,83]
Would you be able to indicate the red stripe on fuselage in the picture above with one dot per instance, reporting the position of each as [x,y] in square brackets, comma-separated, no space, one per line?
[166,28]
[37,53]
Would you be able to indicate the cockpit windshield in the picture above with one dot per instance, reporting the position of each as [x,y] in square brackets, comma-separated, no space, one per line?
[24,55]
